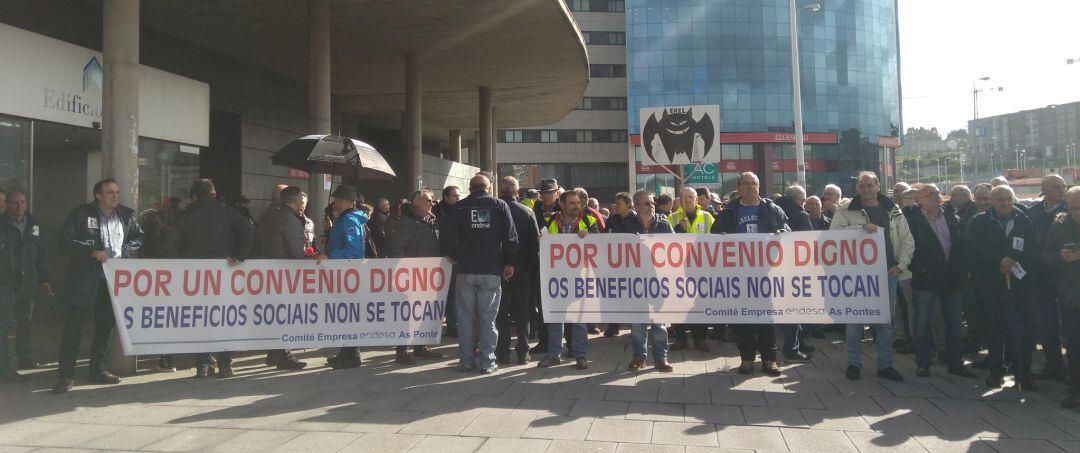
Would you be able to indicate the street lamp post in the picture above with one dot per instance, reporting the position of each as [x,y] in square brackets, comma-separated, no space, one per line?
[796,90]
[975,90]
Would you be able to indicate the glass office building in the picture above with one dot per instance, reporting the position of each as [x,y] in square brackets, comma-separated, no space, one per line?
[737,54]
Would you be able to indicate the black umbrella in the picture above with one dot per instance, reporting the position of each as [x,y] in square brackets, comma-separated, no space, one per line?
[334,155]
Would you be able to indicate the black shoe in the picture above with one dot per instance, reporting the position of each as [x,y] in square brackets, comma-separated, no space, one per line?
[343,362]
[104,377]
[272,358]
[891,374]
[289,363]
[923,372]
[1072,402]
[165,365]
[995,381]
[612,331]
[28,364]
[807,348]
[524,358]
[540,348]
[1026,385]
[796,357]
[853,373]
[899,343]
[962,372]
[62,386]
[1050,374]
[13,377]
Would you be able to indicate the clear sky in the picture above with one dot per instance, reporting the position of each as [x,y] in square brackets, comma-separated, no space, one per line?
[1021,45]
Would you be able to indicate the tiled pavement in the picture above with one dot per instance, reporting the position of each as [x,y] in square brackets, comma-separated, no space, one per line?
[381,407]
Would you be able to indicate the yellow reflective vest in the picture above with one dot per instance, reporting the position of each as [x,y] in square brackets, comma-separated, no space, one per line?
[700,224]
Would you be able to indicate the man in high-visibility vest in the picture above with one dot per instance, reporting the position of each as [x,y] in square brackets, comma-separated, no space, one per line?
[690,219]
[572,219]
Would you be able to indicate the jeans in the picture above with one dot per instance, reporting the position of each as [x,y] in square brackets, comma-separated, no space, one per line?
[24,315]
[7,323]
[1048,321]
[794,337]
[951,307]
[883,342]
[477,306]
[104,322]
[514,311]
[659,339]
[756,338]
[1070,322]
[579,336]
[224,359]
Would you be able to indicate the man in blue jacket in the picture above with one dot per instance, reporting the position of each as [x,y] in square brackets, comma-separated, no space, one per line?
[483,241]
[346,241]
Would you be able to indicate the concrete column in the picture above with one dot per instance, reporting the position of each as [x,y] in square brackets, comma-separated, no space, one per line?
[120,120]
[474,149]
[487,134]
[494,144]
[455,145]
[318,96]
[414,127]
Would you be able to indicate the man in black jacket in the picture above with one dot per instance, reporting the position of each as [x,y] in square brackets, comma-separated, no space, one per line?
[515,304]
[543,208]
[35,274]
[10,280]
[1002,246]
[1045,296]
[92,234]
[208,229]
[937,273]
[1062,254]
[482,239]
[795,347]
[749,213]
[444,211]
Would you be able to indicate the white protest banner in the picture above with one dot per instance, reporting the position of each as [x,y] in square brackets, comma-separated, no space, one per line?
[816,277]
[183,306]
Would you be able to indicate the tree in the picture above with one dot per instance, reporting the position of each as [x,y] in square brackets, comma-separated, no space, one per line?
[922,133]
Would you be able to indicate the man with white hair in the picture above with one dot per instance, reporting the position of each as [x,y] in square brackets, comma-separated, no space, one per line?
[830,199]
[898,190]
[1045,300]
[795,347]
[869,211]
[1002,247]
[1062,254]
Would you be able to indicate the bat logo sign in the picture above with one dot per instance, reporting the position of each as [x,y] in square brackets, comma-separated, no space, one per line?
[678,132]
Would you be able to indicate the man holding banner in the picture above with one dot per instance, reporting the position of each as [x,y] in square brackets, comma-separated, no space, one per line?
[208,229]
[870,210]
[647,221]
[693,220]
[572,219]
[92,234]
[346,241]
[749,213]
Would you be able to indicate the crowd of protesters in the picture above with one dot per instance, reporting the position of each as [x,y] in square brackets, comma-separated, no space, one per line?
[979,272]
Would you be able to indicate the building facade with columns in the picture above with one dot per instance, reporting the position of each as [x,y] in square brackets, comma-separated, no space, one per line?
[156,93]
[587,147]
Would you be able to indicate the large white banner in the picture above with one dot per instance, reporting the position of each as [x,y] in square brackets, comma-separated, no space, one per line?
[807,277]
[182,306]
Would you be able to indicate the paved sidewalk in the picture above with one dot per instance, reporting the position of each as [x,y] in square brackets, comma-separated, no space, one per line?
[382,407]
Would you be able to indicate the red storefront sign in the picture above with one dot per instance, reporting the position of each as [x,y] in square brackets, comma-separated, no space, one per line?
[298,174]
[776,137]
[789,165]
[889,142]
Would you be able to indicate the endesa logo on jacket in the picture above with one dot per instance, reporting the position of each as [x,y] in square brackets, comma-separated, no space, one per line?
[480,218]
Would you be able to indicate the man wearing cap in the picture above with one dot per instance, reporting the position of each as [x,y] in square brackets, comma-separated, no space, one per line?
[543,208]
[346,241]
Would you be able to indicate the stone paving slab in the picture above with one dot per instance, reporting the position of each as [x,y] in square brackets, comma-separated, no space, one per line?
[705,406]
